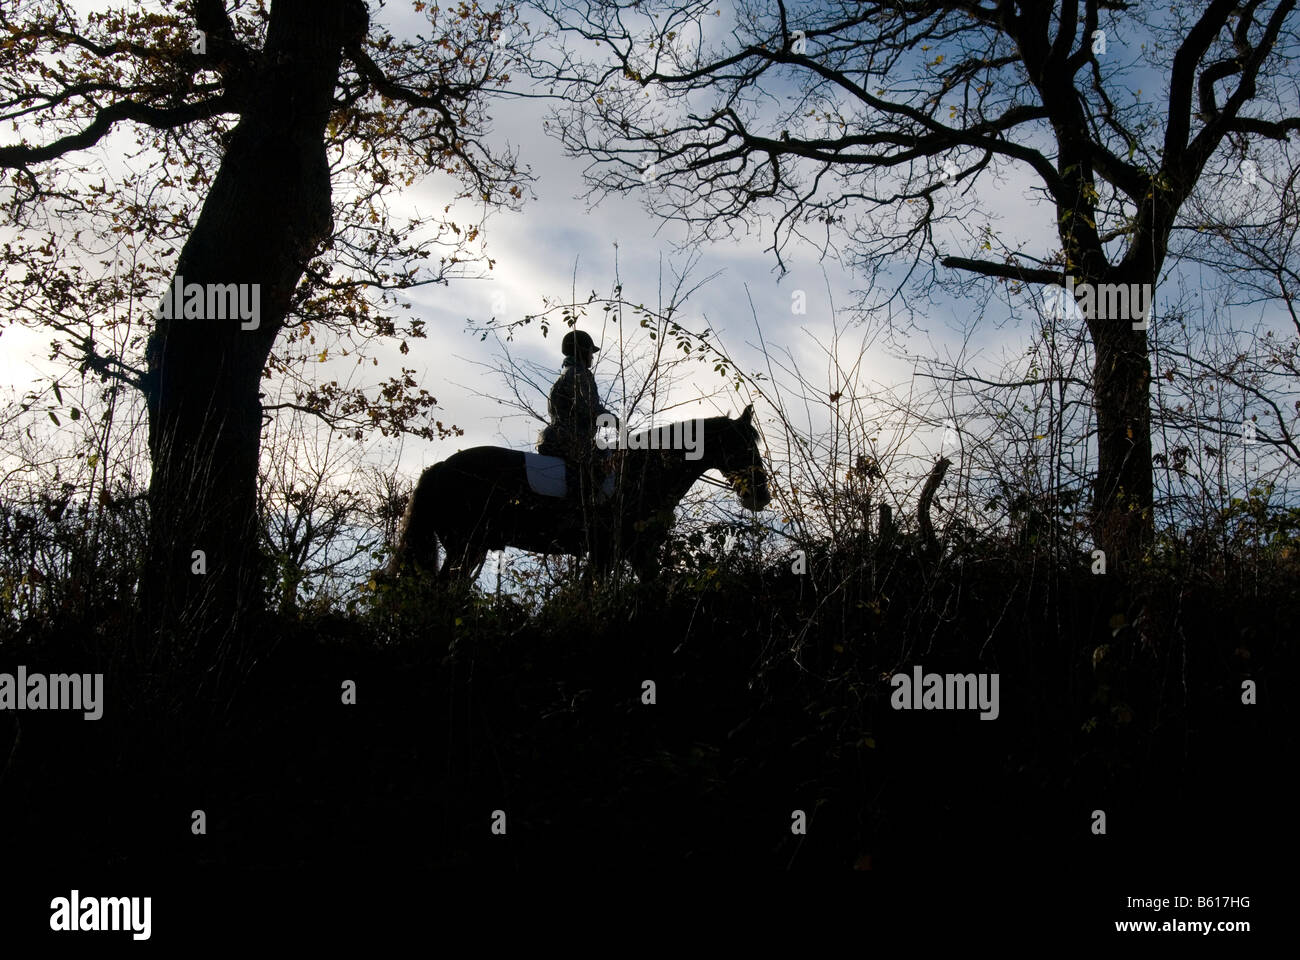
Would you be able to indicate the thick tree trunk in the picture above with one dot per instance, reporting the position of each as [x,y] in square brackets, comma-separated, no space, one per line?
[267,212]
[1123,497]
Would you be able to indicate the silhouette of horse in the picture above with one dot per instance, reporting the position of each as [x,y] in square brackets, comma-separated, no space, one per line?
[480,499]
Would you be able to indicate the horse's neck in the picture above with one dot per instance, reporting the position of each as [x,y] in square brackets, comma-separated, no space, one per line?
[672,478]
[685,474]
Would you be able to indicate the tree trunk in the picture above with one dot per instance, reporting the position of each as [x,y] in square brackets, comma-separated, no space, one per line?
[269,209]
[1123,497]
[928,540]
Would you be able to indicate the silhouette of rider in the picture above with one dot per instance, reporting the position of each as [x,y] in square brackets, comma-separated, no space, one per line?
[574,405]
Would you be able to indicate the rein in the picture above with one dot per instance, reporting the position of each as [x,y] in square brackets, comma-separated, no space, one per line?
[716,483]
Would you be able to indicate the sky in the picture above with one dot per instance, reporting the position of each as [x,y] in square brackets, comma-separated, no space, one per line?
[538,250]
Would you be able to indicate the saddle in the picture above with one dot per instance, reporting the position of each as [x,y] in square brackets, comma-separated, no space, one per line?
[549,477]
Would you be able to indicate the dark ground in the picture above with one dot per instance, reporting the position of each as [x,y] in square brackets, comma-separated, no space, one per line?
[771,697]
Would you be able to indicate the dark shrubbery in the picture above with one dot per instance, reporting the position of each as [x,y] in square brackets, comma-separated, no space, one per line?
[772,694]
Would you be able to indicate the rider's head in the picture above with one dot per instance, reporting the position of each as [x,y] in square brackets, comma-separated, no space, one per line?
[578,347]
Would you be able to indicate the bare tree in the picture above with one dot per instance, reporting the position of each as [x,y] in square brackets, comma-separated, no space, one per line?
[869,125]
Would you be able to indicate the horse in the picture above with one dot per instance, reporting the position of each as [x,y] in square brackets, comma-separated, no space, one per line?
[479,499]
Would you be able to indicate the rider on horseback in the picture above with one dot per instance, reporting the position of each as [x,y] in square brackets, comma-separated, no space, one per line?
[574,406]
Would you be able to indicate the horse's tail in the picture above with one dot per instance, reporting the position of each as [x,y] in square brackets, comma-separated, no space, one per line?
[417,541]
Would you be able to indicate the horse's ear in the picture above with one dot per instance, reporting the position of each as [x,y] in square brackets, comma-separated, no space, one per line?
[748,415]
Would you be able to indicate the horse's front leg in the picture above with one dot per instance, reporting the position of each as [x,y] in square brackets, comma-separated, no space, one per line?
[599,546]
[645,559]
[600,559]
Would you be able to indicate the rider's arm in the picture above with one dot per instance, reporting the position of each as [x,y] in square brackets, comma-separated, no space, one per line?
[589,393]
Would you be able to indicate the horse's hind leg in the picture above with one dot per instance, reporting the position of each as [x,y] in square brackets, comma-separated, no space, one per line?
[474,563]
[450,568]
[463,563]
[417,546]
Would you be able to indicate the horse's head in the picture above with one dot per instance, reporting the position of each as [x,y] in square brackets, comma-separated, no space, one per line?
[740,461]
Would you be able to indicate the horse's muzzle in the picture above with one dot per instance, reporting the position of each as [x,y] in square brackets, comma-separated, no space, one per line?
[755,497]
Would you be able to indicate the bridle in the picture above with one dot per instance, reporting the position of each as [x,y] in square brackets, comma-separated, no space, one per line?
[731,484]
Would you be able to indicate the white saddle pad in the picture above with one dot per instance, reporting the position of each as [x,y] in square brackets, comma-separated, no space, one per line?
[546,476]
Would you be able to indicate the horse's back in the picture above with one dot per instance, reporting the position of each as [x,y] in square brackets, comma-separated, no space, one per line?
[468,475]
[472,457]
[482,494]
[479,475]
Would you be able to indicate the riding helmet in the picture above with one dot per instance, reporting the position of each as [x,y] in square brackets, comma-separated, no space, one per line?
[577,342]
